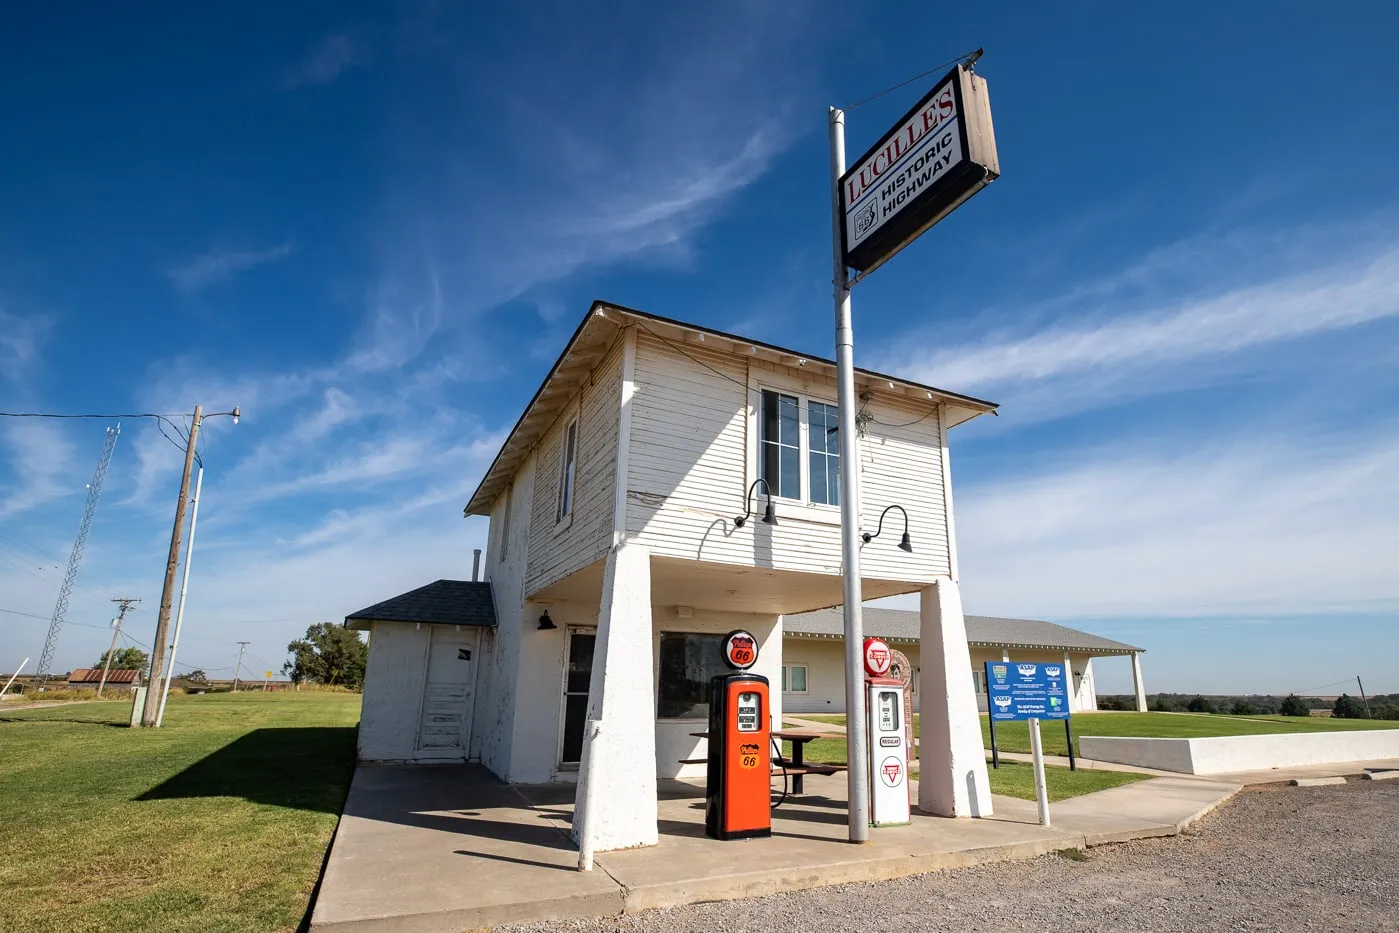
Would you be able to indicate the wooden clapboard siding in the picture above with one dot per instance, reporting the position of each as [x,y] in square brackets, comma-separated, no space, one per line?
[692,459]
[559,549]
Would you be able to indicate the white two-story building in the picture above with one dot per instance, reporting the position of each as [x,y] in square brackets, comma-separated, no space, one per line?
[616,562]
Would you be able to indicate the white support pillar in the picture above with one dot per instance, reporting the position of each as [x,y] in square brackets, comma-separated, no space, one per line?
[619,744]
[1137,683]
[952,760]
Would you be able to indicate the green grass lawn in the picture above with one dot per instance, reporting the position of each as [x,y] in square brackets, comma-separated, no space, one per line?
[1015,736]
[1012,778]
[217,821]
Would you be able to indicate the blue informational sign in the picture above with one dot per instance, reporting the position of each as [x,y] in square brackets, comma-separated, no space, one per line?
[1026,690]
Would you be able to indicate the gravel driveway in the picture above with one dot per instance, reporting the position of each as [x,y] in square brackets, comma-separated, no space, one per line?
[1276,859]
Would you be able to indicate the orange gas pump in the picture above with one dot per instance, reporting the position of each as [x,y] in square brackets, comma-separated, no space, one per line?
[737,792]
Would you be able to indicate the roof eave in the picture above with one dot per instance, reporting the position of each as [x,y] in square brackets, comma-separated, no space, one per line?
[480,502]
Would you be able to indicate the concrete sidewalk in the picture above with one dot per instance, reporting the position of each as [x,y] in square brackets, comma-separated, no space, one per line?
[445,848]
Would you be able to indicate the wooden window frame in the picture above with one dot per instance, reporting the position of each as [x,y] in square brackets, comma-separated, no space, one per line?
[568,473]
[766,383]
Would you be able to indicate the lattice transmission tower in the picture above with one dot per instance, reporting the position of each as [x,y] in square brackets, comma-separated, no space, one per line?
[75,559]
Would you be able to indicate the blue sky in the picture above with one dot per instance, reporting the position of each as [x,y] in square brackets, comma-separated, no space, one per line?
[373,228]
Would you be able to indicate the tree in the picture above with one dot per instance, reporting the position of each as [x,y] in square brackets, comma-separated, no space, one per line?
[1243,708]
[196,677]
[1348,707]
[1292,705]
[124,659]
[1201,705]
[329,654]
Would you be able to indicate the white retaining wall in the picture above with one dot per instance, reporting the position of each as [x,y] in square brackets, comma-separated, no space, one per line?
[1225,754]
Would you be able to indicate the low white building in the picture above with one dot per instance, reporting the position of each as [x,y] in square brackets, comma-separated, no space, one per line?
[813,666]
[616,561]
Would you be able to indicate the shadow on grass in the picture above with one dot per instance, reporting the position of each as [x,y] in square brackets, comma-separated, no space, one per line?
[300,768]
[122,724]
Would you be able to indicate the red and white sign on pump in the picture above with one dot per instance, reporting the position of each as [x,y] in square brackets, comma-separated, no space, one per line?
[877,657]
[941,153]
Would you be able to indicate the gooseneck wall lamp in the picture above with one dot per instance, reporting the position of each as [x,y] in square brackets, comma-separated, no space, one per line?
[769,517]
[905,543]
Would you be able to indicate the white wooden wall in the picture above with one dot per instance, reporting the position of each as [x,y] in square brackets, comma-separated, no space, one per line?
[501,649]
[558,549]
[393,691]
[694,454]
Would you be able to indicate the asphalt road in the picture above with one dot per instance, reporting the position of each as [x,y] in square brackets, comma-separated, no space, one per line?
[1274,859]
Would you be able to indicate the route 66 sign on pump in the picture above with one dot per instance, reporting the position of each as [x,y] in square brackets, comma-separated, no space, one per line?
[740,650]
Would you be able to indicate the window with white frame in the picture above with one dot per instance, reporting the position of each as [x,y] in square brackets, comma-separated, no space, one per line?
[823,453]
[568,463]
[799,448]
[794,678]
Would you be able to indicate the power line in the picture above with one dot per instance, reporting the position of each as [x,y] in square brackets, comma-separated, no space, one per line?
[31,615]
[968,57]
[159,418]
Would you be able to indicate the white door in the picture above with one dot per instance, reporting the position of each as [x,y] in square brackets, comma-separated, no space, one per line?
[444,727]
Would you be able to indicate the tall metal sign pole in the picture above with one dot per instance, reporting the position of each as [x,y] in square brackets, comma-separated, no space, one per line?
[856,741]
[937,156]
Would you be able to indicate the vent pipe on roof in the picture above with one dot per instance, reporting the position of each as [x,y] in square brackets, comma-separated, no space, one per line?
[475,564]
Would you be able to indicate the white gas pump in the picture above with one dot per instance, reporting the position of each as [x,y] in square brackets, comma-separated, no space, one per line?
[888,752]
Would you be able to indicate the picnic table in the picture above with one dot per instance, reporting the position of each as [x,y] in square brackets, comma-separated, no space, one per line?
[796,767]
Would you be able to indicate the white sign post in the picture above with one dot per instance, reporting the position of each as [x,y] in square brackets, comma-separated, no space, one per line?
[941,153]
[1037,753]
[12,678]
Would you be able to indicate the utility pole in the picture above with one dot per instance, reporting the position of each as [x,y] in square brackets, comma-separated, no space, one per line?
[126,604]
[238,668]
[1363,697]
[162,622]
[150,713]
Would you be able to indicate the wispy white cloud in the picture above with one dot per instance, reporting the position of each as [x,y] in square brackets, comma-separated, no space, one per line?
[325,62]
[669,142]
[217,265]
[1281,524]
[41,458]
[1336,295]
[21,336]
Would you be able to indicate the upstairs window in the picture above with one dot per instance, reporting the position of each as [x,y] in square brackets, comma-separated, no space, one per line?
[799,448]
[823,442]
[567,469]
[781,445]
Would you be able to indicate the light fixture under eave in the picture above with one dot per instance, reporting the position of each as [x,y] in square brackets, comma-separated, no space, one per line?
[905,542]
[769,514]
[546,623]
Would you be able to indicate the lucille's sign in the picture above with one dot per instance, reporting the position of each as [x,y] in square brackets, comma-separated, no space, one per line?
[941,153]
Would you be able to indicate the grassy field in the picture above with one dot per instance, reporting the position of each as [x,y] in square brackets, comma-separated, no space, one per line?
[1011,778]
[1015,736]
[217,821]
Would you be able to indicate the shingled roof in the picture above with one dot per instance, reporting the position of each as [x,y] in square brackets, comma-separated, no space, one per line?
[93,675]
[983,631]
[446,602]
